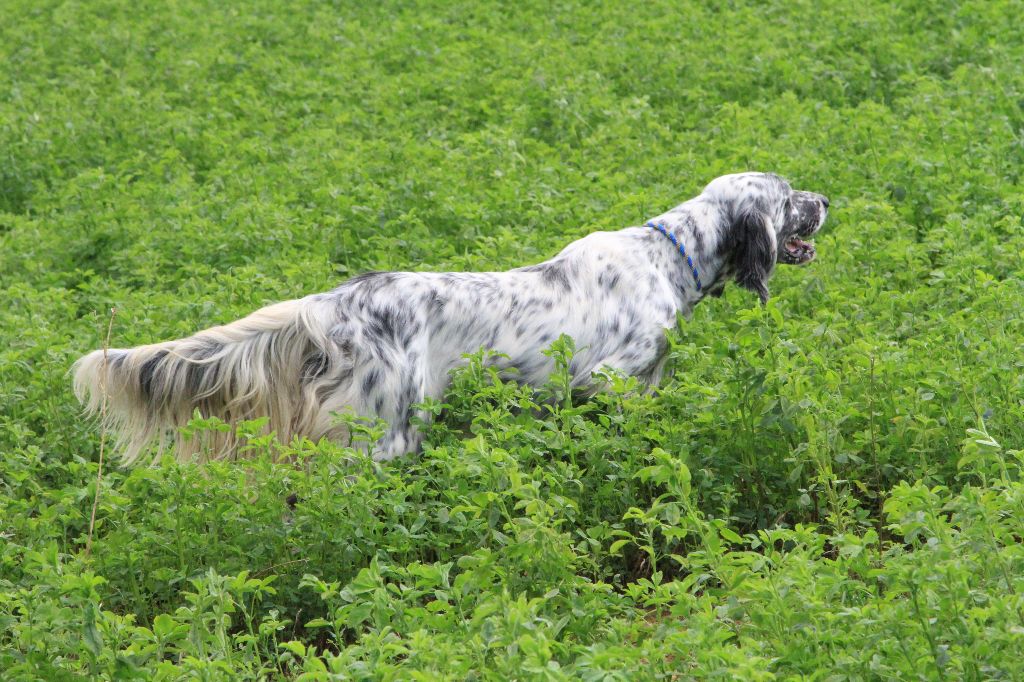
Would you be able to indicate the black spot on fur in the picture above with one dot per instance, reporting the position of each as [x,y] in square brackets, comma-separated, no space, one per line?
[513,306]
[612,280]
[553,273]
[207,350]
[382,324]
[147,374]
[409,332]
[434,302]
[199,373]
[371,379]
[314,367]
[334,385]
[698,237]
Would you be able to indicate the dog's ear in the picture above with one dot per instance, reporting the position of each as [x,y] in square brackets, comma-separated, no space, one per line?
[755,253]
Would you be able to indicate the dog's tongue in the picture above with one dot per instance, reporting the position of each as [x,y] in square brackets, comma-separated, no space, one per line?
[799,249]
[795,245]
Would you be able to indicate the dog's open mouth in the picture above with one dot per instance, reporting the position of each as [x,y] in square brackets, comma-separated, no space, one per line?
[796,251]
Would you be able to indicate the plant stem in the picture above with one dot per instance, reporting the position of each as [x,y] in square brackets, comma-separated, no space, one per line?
[103,432]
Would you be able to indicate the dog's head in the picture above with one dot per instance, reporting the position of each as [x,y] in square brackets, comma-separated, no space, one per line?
[765,221]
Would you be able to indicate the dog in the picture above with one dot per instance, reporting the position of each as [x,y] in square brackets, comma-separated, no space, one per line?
[382,342]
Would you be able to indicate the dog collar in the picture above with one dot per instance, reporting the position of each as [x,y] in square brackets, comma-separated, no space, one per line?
[660,227]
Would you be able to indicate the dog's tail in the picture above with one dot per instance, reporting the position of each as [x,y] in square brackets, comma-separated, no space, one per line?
[264,365]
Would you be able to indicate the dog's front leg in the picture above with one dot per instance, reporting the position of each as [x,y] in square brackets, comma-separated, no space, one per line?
[645,360]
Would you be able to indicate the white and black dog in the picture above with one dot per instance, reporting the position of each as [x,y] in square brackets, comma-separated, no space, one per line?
[382,342]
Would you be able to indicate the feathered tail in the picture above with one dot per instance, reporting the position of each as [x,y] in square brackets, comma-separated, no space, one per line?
[269,364]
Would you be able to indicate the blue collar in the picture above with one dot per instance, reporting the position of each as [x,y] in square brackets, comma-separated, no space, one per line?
[660,227]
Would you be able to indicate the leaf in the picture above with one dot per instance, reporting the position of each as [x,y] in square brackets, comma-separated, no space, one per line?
[730,535]
[295,647]
[90,634]
[163,625]
[317,623]
[616,547]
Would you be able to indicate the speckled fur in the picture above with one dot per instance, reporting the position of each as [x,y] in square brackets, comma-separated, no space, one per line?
[382,342]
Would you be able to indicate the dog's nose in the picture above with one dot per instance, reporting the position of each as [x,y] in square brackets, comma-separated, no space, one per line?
[824,200]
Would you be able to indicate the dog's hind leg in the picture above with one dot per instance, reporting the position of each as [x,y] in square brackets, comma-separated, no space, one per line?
[402,436]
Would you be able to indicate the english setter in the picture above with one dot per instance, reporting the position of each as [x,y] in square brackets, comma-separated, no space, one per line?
[382,342]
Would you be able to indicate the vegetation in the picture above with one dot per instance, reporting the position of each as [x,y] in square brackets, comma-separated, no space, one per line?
[827,487]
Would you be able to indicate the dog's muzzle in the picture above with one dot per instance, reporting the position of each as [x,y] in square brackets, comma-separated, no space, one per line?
[795,250]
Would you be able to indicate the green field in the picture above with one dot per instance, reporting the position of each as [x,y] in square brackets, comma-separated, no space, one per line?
[826,488]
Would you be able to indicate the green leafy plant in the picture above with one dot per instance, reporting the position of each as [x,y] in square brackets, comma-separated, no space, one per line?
[824,487]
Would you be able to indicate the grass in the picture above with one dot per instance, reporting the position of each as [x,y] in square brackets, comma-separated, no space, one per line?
[827,487]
